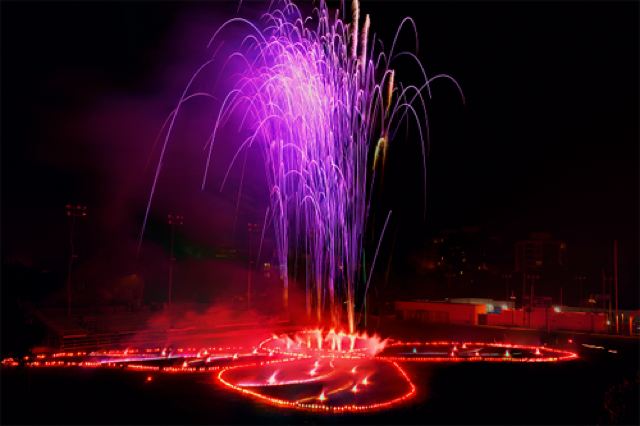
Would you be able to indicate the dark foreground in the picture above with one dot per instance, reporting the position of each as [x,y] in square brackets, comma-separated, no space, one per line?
[600,388]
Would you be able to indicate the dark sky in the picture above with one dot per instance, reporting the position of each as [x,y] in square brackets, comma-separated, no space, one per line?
[547,139]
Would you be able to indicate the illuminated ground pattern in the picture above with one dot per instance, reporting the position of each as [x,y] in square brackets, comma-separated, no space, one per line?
[310,370]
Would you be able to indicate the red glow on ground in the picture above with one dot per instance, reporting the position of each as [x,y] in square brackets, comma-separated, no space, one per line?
[441,351]
[331,374]
[340,390]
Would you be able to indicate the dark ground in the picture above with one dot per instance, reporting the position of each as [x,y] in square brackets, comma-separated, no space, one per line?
[600,388]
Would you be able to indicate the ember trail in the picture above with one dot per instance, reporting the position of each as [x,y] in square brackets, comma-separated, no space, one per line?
[321,100]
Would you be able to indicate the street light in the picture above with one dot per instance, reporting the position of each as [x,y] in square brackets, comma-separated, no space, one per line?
[252,228]
[173,220]
[73,211]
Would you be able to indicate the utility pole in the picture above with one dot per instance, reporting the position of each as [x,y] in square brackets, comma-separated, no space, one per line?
[604,281]
[610,299]
[506,277]
[615,280]
[533,277]
[173,220]
[524,285]
[73,211]
[580,279]
[252,228]
[531,299]
[513,309]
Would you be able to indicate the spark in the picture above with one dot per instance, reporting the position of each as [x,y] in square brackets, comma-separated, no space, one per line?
[272,379]
[314,96]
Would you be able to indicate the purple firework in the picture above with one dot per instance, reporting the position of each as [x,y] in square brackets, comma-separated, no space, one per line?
[321,103]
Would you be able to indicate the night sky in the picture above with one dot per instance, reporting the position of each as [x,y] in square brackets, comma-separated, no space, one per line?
[547,139]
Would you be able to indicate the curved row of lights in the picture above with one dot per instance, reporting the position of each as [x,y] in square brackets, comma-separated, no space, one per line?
[200,361]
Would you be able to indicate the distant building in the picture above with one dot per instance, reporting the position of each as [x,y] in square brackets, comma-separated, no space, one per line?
[541,266]
[488,312]
[540,253]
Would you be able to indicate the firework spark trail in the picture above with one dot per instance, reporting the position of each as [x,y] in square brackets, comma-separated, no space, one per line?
[314,96]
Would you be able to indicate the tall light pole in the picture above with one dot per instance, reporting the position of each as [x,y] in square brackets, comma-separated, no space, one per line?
[173,220]
[523,292]
[532,281]
[513,299]
[73,211]
[506,277]
[580,279]
[615,280]
[252,228]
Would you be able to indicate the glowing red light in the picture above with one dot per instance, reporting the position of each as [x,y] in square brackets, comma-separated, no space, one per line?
[350,373]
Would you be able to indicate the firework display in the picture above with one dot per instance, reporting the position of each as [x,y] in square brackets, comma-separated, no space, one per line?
[319,99]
